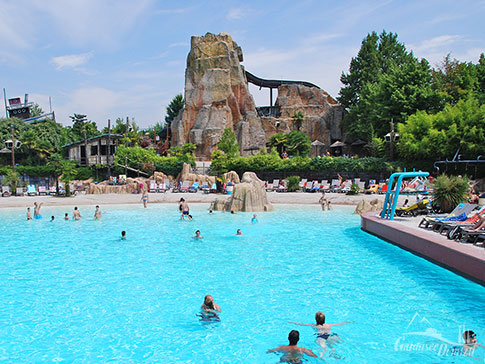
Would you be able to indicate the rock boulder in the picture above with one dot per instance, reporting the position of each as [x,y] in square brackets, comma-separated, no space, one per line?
[249,195]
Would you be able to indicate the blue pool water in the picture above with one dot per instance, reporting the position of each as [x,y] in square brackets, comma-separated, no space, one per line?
[73,292]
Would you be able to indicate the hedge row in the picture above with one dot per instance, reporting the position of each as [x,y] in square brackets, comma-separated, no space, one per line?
[45,171]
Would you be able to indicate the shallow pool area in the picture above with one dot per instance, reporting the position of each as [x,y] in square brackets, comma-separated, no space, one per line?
[74,292]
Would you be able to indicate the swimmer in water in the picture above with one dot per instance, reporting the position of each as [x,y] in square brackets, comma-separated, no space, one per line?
[324,336]
[254,220]
[97,213]
[471,343]
[29,216]
[209,306]
[37,207]
[238,232]
[76,215]
[292,352]
[144,198]
[52,218]
[66,216]
[197,235]
[123,235]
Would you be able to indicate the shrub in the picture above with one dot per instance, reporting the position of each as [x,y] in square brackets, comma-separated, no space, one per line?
[293,183]
[354,189]
[450,191]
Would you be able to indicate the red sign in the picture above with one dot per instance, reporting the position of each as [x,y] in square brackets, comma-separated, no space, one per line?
[15,101]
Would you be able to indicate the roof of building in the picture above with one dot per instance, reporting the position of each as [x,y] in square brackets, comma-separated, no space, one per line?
[101,136]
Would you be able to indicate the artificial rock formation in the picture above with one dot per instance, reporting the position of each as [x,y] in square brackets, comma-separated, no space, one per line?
[366,206]
[132,185]
[249,195]
[322,113]
[186,174]
[216,97]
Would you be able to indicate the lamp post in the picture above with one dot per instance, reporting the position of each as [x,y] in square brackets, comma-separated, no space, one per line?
[12,144]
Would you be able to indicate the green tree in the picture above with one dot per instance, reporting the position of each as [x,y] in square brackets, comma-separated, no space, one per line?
[438,136]
[80,124]
[298,144]
[36,110]
[174,108]
[64,168]
[228,143]
[455,80]
[384,82]
[450,191]
[278,141]
[481,79]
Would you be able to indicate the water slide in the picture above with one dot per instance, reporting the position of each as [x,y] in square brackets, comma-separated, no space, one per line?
[274,83]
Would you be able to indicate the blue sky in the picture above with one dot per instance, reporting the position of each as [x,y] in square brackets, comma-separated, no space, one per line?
[118,58]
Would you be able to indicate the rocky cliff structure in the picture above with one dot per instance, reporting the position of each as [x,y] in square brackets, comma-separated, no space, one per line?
[217,97]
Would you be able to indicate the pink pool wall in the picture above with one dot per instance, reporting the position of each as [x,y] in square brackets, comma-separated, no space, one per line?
[464,259]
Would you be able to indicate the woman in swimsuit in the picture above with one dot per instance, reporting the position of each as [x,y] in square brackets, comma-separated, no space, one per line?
[144,198]
[324,336]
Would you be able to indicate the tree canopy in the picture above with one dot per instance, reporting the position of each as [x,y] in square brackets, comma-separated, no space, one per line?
[174,108]
[385,82]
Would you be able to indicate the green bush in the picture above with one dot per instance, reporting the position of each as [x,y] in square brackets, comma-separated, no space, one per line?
[450,191]
[354,189]
[293,183]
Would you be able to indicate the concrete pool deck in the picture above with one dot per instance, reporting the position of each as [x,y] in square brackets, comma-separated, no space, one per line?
[465,259]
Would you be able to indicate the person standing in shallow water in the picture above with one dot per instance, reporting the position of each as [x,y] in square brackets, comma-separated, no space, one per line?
[76,215]
[37,207]
[97,213]
[29,216]
[144,198]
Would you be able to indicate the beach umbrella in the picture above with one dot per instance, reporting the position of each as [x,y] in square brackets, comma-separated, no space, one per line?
[358,143]
[337,144]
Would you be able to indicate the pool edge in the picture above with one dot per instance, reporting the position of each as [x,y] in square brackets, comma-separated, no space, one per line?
[464,260]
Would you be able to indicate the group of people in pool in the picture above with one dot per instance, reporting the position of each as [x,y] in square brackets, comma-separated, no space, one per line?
[76,214]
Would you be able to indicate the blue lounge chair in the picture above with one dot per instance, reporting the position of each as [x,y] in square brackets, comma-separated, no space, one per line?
[31,191]
[194,187]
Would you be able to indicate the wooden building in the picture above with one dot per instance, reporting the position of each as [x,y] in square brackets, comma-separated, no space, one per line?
[94,150]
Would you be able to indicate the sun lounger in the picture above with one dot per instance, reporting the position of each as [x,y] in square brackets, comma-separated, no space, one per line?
[31,191]
[372,189]
[52,190]
[443,227]
[325,186]
[309,187]
[194,188]
[205,188]
[185,186]
[302,184]
[316,186]
[414,209]
[6,191]
[42,190]
[153,187]
[213,188]
[361,185]
[19,191]
[346,186]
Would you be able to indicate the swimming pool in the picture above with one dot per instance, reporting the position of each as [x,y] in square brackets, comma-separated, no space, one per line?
[74,292]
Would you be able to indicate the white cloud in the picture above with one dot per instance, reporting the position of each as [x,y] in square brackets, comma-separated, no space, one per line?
[180,44]
[71,60]
[433,44]
[173,11]
[237,13]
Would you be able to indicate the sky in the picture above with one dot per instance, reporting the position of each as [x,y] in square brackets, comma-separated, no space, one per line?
[119,58]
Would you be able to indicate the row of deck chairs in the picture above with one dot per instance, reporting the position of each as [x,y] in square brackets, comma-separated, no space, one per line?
[41,190]
[458,224]
[185,186]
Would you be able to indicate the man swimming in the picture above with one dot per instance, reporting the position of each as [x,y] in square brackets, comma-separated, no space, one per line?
[197,235]
[209,310]
[254,220]
[123,235]
[324,336]
[238,232]
[29,216]
[471,343]
[37,207]
[292,352]
[66,216]
[97,213]
[76,215]
[52,218]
